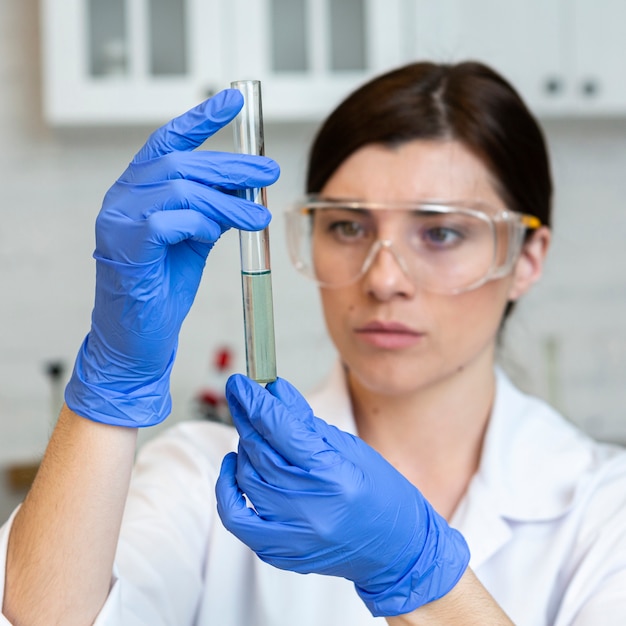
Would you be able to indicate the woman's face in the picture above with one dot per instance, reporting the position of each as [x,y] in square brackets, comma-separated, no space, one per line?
[394,337]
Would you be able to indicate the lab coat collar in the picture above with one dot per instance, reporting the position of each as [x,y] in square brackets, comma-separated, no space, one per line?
[331,400]
[532,465]
[533,461]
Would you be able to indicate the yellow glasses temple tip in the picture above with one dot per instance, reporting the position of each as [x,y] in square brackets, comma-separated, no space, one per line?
[530,221]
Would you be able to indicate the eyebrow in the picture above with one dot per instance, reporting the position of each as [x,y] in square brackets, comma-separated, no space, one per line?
[339,204]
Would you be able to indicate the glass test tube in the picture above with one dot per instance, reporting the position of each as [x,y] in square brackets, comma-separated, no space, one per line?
[256,277]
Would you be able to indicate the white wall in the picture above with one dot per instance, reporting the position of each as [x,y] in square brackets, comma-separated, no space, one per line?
[567,341]
[569,336]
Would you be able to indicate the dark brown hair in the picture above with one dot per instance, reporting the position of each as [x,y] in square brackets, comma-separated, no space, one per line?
[467,102]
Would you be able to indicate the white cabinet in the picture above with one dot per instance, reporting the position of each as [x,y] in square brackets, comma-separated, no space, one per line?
[309,54]
[596,49]
[564,56]
[505,35]
[128,61]
[144,61]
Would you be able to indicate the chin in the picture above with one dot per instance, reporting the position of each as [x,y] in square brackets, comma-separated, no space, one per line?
[392,379]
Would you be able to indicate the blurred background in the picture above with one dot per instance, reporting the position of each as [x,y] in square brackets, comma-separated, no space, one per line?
[83,82]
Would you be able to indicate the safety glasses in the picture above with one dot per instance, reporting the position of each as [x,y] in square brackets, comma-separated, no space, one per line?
[442,247]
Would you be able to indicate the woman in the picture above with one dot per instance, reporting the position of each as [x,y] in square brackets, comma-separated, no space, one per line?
[428,218]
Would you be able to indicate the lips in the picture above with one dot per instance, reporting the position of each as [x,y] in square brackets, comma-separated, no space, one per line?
[389,335]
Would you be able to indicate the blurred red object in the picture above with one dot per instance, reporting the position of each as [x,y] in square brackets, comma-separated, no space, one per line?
[210,401]
[223,359]
[210,398]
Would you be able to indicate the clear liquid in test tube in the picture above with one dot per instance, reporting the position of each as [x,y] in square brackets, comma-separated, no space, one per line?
[256,273]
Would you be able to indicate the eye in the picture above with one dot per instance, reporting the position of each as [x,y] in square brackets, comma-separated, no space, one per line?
[345,226]
[442,236]
[347,230]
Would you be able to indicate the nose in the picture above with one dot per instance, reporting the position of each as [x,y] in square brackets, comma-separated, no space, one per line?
[385,273]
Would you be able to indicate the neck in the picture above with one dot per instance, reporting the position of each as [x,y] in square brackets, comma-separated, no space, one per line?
[433,435]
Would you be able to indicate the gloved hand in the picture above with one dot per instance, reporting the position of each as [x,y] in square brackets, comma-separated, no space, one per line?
[156,227]
[326,502]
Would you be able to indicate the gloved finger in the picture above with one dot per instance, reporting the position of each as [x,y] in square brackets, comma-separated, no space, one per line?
[243,522]
[189,130]
[295,403]
[226,170]
[256,449]
[300,519]
[172,227]
[271,466]
[231,504]
[256,531]
[252,444]
[261,467]
[286,431]
[260,462]
[272,501]
[137,202]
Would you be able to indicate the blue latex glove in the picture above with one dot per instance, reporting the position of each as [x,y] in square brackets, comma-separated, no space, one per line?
[326,502]
[156,227]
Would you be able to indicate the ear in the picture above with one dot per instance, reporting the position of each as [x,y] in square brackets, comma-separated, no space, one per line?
[529,265]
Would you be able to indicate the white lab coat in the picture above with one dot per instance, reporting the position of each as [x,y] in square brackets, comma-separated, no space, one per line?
[545,519]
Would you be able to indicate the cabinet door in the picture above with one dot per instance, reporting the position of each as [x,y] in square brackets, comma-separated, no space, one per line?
[596,52]
[128,61]
[309,54]
[521,40]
